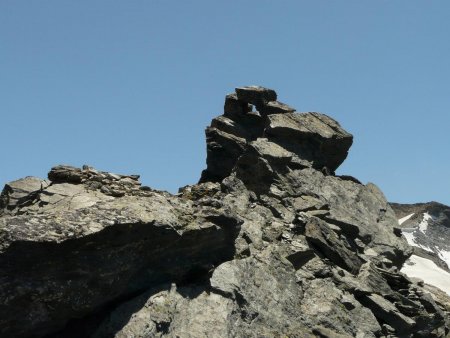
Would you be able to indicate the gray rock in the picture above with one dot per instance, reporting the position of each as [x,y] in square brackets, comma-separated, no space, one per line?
[155,314]
[361,212]
[269,244]
[268,302]
[257,167]
[371,277]
[313,139]
[312,136]
[329,244]
[230,126]
[75,258]
[326,306]
[306,203]
[386,311]
[223,150]
[234,107]
[255,95]
[19,192]
[63,173]
[274,107]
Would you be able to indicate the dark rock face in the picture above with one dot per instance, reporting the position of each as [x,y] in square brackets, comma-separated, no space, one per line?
[269,244]
[74,247]
[312,136]
[256,95]
[310,139]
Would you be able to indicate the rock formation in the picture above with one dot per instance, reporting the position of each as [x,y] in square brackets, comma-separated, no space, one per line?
[426,227]
[269,243]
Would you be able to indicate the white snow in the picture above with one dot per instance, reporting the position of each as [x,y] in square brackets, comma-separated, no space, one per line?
[404,219]
[445,256]
[428,271]
[411,239]
[423,226]
[423,268]
[409,232]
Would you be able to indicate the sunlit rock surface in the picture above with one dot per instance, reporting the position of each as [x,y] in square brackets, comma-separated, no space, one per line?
[270,243]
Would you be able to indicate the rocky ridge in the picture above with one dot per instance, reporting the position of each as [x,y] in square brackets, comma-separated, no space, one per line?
[269,243]
[426,227]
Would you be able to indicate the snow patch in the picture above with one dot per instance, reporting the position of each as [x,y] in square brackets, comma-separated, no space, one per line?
[409,237]
[428,271]
[408,233]
[445,256]
[404,219]
[423,226]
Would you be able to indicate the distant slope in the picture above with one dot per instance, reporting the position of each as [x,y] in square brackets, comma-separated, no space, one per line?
[426,226]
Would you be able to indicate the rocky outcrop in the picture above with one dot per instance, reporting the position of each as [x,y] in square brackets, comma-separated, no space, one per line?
[308,140]
[85,239]
[269,243]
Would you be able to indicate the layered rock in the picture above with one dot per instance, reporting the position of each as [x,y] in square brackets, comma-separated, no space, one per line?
[311,139]
[270,243]
[85,239]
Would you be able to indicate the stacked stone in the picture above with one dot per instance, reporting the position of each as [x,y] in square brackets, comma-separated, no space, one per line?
[108,183]
[264,99]
[63,183]
[253,116]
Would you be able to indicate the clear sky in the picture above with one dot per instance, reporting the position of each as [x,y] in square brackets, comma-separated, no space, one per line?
[129,86]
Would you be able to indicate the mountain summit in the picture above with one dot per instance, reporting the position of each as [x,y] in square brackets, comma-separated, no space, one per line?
[269,243]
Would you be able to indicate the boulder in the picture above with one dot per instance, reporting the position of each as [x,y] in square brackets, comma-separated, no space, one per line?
[18,192]
[235,107]
[255,95]
[274,107]
[328,243]
[223,150]
[387,312]
[312,136]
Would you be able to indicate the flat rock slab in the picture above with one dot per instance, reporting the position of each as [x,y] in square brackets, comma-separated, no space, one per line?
[68,263]
[255,94]
[327,241]
[312,136]
[387,312]
[275,107]
[16,192]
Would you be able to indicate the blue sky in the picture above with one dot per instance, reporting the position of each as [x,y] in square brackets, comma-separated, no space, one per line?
[129,86]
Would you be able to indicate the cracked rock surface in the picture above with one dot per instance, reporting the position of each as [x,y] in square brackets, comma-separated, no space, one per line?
[269,243]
